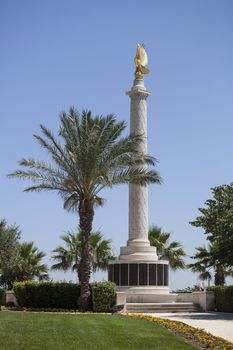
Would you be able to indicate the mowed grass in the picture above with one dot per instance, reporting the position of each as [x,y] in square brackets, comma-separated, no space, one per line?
[25,331]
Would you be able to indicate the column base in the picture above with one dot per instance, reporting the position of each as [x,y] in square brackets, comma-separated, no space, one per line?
[138,250]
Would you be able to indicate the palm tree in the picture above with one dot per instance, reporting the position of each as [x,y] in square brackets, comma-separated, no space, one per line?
[69,257]
[29,266]
[87,156]
[100,252]
[206,261]
[201,266]
[171,251]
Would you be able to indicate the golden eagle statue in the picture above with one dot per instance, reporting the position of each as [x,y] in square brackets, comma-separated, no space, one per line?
[141,61]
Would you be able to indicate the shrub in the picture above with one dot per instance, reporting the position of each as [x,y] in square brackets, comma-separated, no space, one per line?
[223,298]
[195,288]
[2,297]
[103,296]
[61,295]
[47,294]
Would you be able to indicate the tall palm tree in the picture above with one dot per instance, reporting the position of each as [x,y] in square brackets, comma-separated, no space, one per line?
[171,251]
[87,156]
[69,257]
[206,262]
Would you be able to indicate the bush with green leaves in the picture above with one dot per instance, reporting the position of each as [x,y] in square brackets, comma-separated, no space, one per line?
[2,297]
[223,298]
[103,296]
[47,294]
[62,295]
[195,288]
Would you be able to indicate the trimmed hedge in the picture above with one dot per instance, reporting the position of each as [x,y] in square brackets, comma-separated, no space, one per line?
[223,298]
[103,296]
[61,295]
[2,297]
[47,294]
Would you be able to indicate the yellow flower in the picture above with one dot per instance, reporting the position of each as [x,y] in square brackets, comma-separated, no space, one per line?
[206,340]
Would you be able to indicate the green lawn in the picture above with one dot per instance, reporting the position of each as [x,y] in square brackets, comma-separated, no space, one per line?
[25,331]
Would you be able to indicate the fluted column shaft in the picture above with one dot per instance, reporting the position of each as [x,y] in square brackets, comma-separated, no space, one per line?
[138,195]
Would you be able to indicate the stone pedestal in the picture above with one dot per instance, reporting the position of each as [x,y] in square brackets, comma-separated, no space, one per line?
[137,268]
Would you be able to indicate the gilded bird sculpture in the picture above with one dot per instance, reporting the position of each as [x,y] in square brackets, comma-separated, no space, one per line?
[141,61]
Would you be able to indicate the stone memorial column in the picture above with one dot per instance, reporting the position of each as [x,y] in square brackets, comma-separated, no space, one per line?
[138,195]
[137,268]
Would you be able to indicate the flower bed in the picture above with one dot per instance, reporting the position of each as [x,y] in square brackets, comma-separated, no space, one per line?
[195,335]
[37,309]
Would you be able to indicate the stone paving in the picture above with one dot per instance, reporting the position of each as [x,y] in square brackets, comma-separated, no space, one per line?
[216,323]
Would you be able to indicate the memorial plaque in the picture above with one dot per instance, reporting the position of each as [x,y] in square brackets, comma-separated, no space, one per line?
[133,274]
[152,274]
[124,274]
[165,275]
[116,274]
[160,275]
[142,274]
[110,273]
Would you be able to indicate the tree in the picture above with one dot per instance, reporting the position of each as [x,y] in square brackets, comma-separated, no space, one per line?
[9,241]
[69,257]
[27,266]
[30,264]
[206,262]
[216,220]
[171,251]
[87,156]
[201,266]
[100,252]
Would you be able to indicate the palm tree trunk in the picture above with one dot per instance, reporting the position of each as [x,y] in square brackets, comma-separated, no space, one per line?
[219,276]
[86,214]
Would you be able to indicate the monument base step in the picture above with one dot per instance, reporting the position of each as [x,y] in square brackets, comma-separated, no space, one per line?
[138,253]
[161,307]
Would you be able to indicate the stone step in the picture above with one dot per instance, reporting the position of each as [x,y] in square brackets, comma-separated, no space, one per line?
[161,307]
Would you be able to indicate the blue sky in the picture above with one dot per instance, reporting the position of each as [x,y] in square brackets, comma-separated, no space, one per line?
[56,54]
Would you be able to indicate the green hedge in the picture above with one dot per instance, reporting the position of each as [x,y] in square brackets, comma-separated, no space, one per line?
[47,294]
[103,296]
[2,297]
[223,298]
[61,295]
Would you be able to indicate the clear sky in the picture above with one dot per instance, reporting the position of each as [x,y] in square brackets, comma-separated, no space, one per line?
[60,53]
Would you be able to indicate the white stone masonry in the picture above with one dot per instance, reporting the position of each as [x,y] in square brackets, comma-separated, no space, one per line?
[138,246]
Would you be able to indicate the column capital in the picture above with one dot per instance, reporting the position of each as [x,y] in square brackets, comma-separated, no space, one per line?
[138,94]
[138,90]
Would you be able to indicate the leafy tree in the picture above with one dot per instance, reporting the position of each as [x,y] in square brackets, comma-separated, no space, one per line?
[88,156]
[206,262]
[69,257]
[216,220]
[171,251]
[9,241]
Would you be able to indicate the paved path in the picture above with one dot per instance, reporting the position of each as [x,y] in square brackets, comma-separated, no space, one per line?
[216,323]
